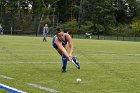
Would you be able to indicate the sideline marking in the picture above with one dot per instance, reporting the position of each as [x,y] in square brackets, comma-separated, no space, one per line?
[43,88]
[6,77]
[31,63]
[10,89]
[85,62]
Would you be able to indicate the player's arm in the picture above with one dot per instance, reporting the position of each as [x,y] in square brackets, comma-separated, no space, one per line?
[47,30]
[70,44]
[61,48]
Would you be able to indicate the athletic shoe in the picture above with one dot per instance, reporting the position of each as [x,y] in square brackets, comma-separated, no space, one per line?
[75,62]
[64,70]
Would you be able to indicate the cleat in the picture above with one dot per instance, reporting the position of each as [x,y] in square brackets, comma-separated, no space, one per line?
[75,62]
[64,70]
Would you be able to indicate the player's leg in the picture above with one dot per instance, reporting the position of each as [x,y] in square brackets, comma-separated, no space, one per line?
[44,38]
[64,58]
[64,63]
[60,52]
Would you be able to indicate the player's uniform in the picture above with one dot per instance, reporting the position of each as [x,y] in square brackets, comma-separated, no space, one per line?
[64,58]
[45,31]
[64,42]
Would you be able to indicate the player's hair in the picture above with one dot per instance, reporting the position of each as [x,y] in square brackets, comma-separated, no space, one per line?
[58,30]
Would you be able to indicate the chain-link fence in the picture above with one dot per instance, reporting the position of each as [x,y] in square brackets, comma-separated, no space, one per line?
[78,36]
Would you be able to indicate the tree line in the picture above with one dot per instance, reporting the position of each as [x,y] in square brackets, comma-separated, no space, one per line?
[104,17]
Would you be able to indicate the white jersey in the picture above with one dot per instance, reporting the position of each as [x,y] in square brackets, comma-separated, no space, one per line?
[45,30]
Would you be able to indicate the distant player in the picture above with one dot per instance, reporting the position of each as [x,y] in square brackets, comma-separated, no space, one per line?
[59,42]
[45,32]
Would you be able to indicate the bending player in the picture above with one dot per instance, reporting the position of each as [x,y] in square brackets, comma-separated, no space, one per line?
[59,42]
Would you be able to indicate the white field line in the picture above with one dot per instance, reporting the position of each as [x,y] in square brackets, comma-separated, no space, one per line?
[43,88]
[105,54]
[13,90]
[30,62]
[53,55]
[33,54]
[10,89]
[133,54]
[84,62]
[6,77]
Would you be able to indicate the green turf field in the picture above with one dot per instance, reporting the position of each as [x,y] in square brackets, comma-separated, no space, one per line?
[106,66]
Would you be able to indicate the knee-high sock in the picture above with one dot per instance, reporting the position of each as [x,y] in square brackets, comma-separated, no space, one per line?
[64,61]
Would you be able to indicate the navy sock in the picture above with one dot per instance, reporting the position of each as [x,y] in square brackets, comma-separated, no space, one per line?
[64,61]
